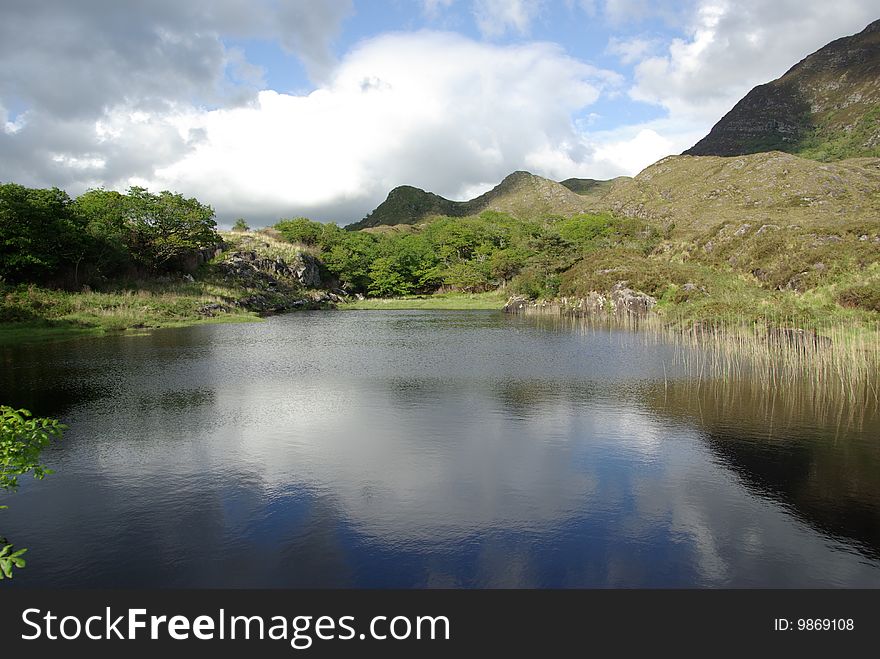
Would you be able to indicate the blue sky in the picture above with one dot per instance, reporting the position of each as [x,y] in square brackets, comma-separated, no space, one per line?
[277,108]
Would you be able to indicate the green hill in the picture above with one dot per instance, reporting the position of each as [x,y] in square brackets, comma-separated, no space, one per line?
[826,107]
[521,194]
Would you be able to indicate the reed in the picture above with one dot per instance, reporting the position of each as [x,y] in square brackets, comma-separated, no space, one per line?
[832,360]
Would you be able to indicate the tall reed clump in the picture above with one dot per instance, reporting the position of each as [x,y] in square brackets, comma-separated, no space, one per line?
[835,360]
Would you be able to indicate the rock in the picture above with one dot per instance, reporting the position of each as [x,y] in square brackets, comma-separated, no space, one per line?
[625,300]
[766,227]
[516,304]
[306,270]
[743,230]
[212,309]
[797,283]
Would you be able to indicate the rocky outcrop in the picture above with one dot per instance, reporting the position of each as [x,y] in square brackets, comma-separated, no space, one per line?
[620,301]
[826,103]
[252,267]
[626,301]
[273,285]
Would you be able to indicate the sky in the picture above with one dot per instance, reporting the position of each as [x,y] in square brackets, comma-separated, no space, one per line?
[267,109]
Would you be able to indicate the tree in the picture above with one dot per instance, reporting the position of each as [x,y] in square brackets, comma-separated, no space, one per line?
[350,259]
[404,267]
[168,226]
[104,214]
[39,234]
[240,226]
[300,230]
[22,439]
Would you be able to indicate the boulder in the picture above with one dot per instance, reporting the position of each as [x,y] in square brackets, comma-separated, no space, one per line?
[627,301]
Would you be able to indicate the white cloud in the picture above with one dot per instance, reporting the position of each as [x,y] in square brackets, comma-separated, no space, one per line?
[430,109]
[634,154]
[632,49]
[497,17]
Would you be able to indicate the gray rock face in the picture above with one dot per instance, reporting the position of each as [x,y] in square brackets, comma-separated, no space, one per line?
[250,266]
[305,269]
[627,301]
[517,304]
[622,301]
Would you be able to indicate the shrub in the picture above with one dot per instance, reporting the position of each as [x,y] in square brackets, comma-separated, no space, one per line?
[863,296]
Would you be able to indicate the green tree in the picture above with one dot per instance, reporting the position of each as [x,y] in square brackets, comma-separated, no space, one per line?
[240,226]
[467,276]
[40,236]
[405,265]
[168,226]
[300,230]
[104,212]
[22,439]
[350,258]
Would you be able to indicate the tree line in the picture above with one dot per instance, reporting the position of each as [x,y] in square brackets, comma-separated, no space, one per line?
[47,237]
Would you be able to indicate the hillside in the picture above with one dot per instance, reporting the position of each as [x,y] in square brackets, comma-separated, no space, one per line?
[826,107]
[521,194]
[696,193]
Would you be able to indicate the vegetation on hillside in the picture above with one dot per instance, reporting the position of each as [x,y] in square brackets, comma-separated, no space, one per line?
[806,252]
[470,254]
[108,261]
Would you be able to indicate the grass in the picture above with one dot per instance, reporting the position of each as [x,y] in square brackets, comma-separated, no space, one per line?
[32,313]
[493,300]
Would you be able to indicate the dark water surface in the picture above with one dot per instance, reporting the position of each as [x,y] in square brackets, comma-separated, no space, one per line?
[431,448]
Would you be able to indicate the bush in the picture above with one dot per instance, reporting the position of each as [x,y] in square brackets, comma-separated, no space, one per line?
[863,296]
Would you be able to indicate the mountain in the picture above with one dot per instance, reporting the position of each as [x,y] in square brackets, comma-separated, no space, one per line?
[521,194]
[697,193]
[826,107]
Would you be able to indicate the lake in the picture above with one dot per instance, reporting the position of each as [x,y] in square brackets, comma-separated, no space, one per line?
[431,449]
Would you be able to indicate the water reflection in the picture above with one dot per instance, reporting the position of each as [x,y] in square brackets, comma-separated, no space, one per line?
[401,449]
[817,454]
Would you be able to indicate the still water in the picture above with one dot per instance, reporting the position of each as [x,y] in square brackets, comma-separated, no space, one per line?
[431,449]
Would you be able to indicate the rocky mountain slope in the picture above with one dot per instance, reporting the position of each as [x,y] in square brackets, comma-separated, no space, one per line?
[521,194]
[696,193]
[825,107]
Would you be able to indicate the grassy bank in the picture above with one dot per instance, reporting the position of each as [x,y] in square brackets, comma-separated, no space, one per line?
[32,313]
[448,301]
[239,285]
